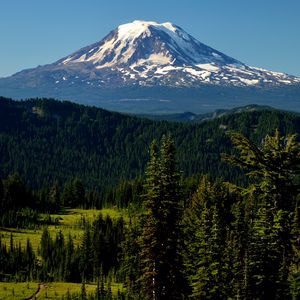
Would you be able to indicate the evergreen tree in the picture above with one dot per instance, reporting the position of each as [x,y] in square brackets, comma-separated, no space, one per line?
[295,266]
[263,258]
[86,258]
[15,193]
[206,231]
[78,193]
[54,201]
[1,196]
[46,244]
[161,260]
[130,267]
[83,295]
[274,165]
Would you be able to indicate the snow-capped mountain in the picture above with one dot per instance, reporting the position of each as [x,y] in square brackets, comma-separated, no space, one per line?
[142,55]
[150,53]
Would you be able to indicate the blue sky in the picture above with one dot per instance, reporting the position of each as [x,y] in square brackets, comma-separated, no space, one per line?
[261,33]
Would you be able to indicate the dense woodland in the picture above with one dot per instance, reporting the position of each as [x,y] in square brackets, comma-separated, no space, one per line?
[41,140]
[214,213]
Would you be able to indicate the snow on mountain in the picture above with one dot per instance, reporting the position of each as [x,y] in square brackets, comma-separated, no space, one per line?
[151,53]
[145,54]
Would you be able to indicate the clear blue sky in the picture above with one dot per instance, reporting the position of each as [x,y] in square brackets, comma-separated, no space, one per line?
[261,33]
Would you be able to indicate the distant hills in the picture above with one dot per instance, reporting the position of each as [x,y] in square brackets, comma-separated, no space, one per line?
[48,141]
[150,67]
[198,118]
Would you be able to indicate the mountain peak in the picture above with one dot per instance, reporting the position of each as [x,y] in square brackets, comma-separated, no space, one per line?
[141,25]
[148,53]
[151,66]
[148,43]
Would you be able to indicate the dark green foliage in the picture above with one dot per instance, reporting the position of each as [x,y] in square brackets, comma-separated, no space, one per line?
[47,141]
[276,163]
[206,253]
[240,240]
[160,257]
[97,255]
[20,206]
[131,255]
[74,193]
[269,253]
[295,265]
[16,262]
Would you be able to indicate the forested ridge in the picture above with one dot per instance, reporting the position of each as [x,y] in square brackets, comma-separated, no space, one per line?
[211,210]
[51,141]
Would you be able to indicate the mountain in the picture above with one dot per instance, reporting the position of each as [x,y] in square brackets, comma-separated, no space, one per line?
[149,67]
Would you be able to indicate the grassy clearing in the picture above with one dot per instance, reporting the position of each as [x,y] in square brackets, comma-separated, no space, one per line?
[56,290]
[70,223]
[53,290]
[16,291]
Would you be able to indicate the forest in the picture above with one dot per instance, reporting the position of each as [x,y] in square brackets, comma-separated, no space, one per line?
[209,211]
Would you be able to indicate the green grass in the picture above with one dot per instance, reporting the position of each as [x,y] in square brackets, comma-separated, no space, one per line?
[70,223]
[20,290]
[56,290]
[53,290]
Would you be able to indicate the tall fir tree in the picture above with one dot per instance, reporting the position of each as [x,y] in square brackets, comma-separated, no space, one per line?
[160,255]
[274,165]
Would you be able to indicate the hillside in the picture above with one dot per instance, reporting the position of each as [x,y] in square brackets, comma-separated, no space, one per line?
[46,141]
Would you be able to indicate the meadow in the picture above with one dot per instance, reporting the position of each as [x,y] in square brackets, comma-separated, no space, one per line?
[52,290]
[70,222]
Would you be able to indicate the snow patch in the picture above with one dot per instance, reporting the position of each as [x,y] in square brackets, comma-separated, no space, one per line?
[208,67]
[249,81]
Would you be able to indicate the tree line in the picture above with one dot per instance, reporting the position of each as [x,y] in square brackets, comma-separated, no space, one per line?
[40,139]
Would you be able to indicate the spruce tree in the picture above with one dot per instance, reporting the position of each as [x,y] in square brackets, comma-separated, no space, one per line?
[1,197]
[150,242]
[294,278]
[86,251]
[206,230]
[161,260]
[54,201]
[274,165]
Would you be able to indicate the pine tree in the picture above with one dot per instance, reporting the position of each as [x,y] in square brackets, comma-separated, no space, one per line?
[83,295]
[54,200]
[276,162]
[206,230]
[161,261]
[274,166]
[86,251]
[295,266]
[68,259]
[46,244]
[263,258]
[78,193]
[1,197]
[131,257]
[150,243]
